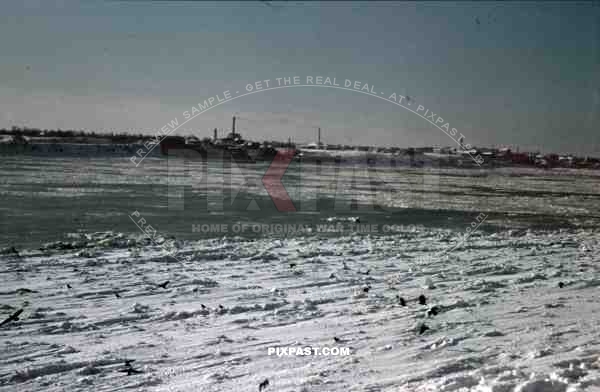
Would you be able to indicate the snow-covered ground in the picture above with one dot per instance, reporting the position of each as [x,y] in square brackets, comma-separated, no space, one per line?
[504,323]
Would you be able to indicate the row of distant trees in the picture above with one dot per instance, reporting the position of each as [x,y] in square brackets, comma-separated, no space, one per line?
[71,133]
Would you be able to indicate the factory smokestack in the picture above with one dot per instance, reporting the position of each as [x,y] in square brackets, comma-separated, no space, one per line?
[319,138]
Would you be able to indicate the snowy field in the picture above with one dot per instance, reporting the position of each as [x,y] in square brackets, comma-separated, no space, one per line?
[516,309]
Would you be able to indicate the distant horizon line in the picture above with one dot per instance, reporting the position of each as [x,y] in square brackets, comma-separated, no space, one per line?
[103,132]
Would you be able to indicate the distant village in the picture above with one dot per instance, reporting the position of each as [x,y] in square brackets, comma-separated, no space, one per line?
[32,140]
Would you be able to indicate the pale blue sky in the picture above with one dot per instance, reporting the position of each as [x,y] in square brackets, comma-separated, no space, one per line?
[527,74]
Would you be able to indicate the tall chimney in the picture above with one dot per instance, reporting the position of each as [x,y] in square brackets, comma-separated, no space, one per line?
[319,138]
[233,127]
[215,137]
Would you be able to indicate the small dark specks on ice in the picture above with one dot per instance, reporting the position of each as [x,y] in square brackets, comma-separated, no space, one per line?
[163,285]
[263,385]
[69,286]
[401,300]
[12,317]
[129,369]
[423,328]
[292,265]
[366,289]
[561,285]
[422,300]
[433,311]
